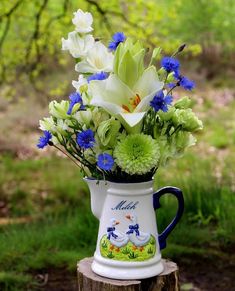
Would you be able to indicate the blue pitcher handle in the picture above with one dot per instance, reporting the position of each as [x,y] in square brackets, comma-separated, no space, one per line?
[156,204]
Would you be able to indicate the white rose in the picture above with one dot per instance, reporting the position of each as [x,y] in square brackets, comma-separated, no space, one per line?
[98,59]
[76,45]
[82,21]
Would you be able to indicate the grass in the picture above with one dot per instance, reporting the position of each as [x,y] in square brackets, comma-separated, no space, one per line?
[127,252]
[50,243]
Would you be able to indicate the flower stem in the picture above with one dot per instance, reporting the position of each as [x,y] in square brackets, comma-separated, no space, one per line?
[66,155]
[172,89]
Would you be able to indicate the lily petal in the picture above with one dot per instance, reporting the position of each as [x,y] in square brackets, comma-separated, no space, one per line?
[132,119]
[111,108]
[111,90]
[148,83]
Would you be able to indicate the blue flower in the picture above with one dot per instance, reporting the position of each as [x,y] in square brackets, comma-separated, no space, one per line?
[105,162]
[170,64]
[44,140]
[85,139]
[161,102]
[74,99]
[98,76]
[186,83]
[117,38]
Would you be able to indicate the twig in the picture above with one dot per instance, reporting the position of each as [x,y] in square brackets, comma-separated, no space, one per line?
[35,34]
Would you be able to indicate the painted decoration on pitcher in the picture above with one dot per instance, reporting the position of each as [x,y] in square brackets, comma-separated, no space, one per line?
[131,245]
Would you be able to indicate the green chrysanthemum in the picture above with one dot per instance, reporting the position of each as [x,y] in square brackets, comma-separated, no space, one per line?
[137,154]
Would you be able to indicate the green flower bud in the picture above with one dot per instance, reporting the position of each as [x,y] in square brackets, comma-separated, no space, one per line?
[107,132]
[129,61]
[170,78]
[183,103]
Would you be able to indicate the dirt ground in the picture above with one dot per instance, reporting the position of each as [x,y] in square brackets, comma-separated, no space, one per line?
[196,274]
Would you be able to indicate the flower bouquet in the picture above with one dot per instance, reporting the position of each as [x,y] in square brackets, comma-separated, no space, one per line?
[121,123]
[119,126]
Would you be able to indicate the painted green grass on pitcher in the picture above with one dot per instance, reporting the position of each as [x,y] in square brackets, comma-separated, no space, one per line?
[129,252]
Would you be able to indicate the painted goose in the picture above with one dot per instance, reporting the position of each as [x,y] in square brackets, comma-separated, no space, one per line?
[137,237]
[116,238]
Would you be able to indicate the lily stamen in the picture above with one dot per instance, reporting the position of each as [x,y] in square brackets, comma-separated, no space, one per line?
[135,101]
[125,108]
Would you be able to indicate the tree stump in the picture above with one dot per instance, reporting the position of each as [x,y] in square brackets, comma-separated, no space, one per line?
[168,280]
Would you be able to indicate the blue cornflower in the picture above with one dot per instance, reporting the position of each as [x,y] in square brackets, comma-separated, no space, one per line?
[44,140]
[117,38]
[170,64]
[85,139]
[161,102]
[74,99]
[186,83]
[98,76]
[105,162]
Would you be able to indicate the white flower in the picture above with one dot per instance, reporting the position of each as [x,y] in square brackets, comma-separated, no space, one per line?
[127,104]
[83,117]
[62,125]
[80,84]
[55,140]
[82,21]
[47,124]
[76,45]
[98,59]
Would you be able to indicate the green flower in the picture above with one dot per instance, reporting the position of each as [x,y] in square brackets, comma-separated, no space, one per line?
[166,116]
[137,154]
[183,103]
[107,131]
[187,119]
[99,115]
[59,109]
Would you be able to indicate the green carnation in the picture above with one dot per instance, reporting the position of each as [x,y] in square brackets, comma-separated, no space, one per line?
[107,131]
[187,119]
[137,154]
[183,103]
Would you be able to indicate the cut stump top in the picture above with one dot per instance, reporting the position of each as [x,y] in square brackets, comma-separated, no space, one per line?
[89,281]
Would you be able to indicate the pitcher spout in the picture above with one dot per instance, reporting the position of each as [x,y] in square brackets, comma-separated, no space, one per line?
[98,192]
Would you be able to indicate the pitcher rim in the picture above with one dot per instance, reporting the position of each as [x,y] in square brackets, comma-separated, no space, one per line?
[119,183]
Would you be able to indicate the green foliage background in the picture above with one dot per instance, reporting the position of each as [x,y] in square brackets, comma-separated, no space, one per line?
[31,31]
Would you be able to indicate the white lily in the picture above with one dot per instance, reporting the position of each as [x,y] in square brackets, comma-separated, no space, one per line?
[98,59]
[76,45]
[127,104]
[82,21]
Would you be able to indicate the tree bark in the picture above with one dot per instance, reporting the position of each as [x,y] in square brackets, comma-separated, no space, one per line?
[168,280]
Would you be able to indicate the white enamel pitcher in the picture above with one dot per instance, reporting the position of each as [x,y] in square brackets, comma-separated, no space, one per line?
[128,244]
